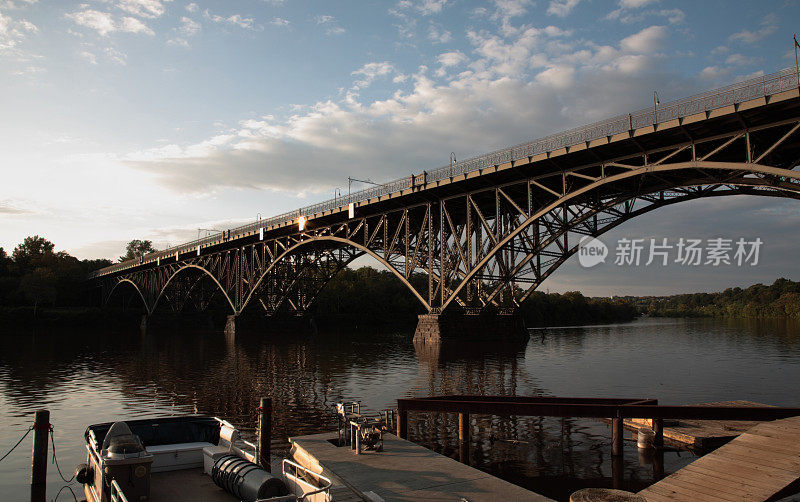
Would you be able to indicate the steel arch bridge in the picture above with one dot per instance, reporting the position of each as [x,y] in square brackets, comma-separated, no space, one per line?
[487,232]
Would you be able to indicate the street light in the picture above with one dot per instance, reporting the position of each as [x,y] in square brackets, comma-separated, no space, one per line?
[656,102]
[350,183]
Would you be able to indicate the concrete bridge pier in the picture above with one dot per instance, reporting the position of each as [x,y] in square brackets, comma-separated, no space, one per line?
[486,326]
[230,326]
[143,323]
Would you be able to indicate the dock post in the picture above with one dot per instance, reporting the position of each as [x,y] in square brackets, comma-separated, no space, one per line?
[402,423]
[41,427]
[463,438]
[265,433]
[617,472]
[617,435]
[658,428]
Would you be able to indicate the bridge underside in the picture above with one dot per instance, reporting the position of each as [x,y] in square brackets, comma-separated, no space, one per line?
[484,243]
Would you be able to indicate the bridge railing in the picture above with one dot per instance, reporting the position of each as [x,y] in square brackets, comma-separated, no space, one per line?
[765,85]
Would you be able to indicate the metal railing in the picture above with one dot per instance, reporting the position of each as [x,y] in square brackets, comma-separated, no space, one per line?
[766,85]
[117,494]
[300,487]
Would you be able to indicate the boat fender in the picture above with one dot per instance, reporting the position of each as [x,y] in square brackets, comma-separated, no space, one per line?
[246,480]
[84,474]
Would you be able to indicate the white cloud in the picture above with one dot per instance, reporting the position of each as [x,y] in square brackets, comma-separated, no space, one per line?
[424,7]
[192,7]
[646,41]
[674,16]
[143,8]
[88,56]
[411,126]
[189,27]
[740,60]
[437,34]
[635,4]
[331,24]
[103,22]
[769,25]
[506,9]
[561,8]
[560,77]
[452,58]
[116,56]
[371,71]
[12,33]
[279,21]
[248,23]
[133,25]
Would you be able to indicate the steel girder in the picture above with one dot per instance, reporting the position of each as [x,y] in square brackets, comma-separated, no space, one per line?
[488,248]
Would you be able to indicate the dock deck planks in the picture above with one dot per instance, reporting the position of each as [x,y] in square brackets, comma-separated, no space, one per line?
[701,435]
[753,467]
[404,472]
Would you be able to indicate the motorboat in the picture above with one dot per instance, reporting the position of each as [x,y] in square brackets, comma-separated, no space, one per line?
[187,458]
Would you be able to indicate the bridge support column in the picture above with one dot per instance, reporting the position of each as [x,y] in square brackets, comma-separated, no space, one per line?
[230,326]
[435,328]
[143,323]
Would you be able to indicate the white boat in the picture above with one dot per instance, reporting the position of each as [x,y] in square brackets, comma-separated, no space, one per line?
[187,458]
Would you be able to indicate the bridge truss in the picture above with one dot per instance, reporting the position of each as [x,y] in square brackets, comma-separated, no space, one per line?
[484,241]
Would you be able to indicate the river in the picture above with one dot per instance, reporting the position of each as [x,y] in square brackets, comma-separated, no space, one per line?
[94,376]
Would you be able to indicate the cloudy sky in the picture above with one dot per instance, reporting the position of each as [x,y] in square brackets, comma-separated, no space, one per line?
[128,119]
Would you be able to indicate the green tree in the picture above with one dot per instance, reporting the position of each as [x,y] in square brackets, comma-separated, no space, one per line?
[137,249]
[31,252]
[5,263]
[39,287]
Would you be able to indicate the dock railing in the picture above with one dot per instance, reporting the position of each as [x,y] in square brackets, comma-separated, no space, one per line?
[608,408]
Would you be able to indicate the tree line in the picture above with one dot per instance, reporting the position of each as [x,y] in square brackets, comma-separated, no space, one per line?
[34,275]
[781,299]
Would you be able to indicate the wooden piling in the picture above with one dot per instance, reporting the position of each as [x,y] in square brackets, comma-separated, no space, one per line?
[617,436]
[658,428]
[41,428]
[265,433]
[463,438]
[402,423]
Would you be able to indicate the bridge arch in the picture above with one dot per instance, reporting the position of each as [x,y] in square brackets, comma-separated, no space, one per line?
[135,286]
[183,269]
[769,185]
[328,238]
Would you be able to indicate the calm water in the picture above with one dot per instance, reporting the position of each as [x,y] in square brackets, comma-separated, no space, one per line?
[87,377]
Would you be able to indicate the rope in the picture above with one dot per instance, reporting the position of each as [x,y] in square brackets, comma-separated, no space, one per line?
[18,442]
[62,489]
[55,460]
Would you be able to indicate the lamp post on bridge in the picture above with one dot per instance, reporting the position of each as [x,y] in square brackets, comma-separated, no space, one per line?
[350,183]
[656,102]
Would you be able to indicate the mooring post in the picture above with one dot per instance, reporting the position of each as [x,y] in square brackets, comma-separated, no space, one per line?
[617,472]
[265,433]
[658,428]
[617,435]
[41,427]
[463,438]
[402,423]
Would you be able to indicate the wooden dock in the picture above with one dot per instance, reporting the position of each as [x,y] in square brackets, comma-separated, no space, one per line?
[755,466]
[701,435]
[404,471]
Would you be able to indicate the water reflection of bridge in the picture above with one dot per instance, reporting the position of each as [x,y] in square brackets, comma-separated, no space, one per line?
[487,231]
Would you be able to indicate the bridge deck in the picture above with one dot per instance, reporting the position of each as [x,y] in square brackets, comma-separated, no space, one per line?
[404,471]
[753,467]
